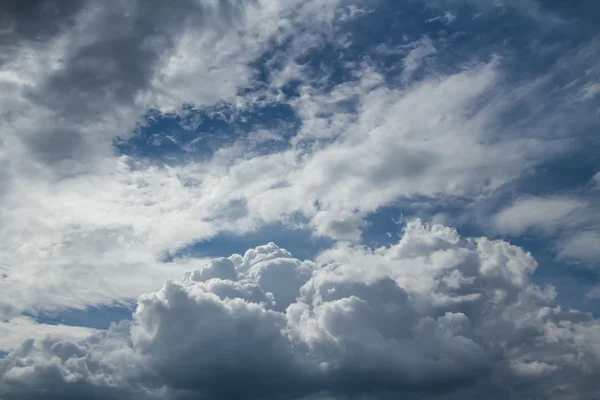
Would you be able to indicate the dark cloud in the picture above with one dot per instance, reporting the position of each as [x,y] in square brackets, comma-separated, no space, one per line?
[36,20]
[112,60]
[115,47]
[53,145]
[104,55]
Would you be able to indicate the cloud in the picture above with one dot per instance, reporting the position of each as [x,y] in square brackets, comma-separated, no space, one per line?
[433,316]
[593,293]
[399,143]
[14,331]
[71,210]
[596,181]
[74,217]
[584,246]
[414,59]
[535,212]
[571,222]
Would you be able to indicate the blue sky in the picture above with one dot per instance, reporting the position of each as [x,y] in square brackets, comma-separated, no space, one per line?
[354,145]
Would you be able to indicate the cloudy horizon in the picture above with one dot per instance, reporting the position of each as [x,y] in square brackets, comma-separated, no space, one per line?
[299,199]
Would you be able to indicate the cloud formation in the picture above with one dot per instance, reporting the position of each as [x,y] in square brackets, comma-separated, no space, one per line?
[316,116]
[436,128]
[71,209]
[433,316]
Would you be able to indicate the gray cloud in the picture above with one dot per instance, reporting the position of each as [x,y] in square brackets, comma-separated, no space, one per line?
[88,67]
[35,20]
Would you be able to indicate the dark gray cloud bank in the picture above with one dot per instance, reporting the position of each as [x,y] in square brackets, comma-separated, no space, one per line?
[435,316]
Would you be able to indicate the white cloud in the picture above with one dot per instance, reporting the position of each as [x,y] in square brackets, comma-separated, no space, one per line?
[589,91]
[535,212]
[584,246]
[414,59]
[593,293]
[400,143]
[15,330]
[434,312]
[571,223]
[596,181]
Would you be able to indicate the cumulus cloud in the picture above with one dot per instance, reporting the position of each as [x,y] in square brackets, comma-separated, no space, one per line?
[434,316]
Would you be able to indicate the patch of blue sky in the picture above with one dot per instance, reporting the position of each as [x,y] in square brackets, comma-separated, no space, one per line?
[571,281]
[195,134]
[386,33]
[384,226]
[92,317]
[300,242]
[565,175]
[583,11]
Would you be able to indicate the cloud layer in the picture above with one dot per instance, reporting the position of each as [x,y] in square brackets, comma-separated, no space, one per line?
[433,316]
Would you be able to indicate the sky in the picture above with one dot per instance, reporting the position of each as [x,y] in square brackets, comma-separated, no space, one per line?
[299,199]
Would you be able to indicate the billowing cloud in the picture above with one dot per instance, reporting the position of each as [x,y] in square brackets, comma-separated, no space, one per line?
[433,316]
